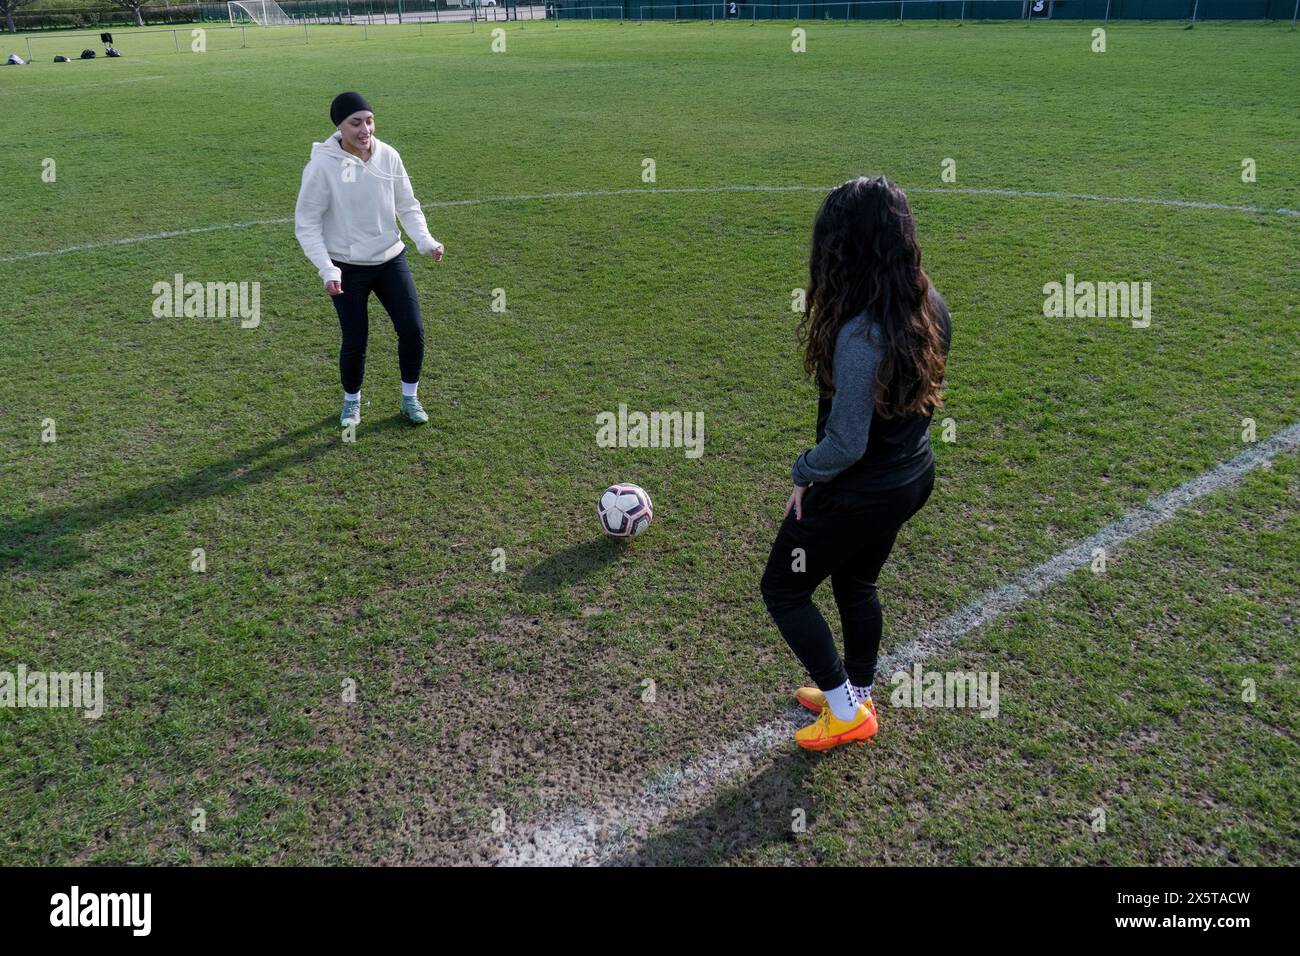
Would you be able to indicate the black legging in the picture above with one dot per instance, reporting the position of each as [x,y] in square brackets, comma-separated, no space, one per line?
[391,281]
[846,536]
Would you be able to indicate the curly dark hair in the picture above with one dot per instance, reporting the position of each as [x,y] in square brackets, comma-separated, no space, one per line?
[865,258]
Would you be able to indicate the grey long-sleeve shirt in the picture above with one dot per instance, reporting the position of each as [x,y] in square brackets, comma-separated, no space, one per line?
[858,352]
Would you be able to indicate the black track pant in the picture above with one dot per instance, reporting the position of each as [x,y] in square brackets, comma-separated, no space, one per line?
[392,283]
[846,536]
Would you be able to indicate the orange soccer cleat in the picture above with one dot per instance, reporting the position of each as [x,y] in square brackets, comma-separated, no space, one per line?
[829,731]
[815,700]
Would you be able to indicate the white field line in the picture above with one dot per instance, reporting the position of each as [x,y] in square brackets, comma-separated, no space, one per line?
[603,193]
[600,834]
[148,237]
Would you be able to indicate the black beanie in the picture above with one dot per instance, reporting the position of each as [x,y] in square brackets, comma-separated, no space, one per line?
[345,104]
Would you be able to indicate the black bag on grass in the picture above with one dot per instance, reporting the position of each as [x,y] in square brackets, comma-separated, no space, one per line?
[87,54]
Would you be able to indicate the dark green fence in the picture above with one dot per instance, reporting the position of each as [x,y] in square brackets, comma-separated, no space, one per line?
[933,10]
[395,11]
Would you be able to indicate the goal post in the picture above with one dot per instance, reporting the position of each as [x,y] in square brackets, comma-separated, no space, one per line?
[262,12]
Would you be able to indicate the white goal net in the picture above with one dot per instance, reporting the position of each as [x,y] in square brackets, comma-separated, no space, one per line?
[262,12]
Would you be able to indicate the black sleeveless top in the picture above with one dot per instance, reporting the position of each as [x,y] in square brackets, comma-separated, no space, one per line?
[898,449]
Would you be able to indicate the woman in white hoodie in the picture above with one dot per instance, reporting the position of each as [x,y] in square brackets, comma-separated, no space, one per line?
[353,191]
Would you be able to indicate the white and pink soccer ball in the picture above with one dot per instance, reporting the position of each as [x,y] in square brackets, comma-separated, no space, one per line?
[625,511]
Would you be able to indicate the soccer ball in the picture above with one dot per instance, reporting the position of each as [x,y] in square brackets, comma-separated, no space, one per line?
[624,510]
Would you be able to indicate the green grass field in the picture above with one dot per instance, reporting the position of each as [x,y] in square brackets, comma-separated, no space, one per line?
[522,690]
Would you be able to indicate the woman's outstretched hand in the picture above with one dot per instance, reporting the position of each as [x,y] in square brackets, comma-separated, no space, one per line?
[796,502]
[437,253]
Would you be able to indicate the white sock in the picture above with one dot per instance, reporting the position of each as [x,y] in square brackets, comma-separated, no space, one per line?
[861,694]
[841,702]
[408,389]
[351,396]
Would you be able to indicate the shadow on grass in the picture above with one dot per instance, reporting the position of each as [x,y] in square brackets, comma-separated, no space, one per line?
[572,564]
[50,539]
[752,815]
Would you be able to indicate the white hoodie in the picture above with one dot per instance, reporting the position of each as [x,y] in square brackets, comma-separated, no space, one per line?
[347,209]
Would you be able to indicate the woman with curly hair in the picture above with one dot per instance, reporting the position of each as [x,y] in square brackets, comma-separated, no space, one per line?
[875,336]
